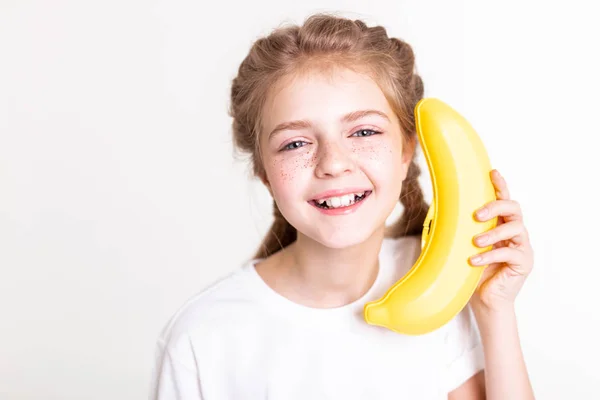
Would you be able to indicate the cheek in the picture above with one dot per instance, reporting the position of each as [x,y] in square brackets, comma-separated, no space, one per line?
[381,160]
[288,171]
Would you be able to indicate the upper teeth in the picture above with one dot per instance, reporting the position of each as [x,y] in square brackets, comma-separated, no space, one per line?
[341,201]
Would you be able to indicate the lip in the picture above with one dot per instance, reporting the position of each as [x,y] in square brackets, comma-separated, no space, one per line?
[339,192]
[342,210]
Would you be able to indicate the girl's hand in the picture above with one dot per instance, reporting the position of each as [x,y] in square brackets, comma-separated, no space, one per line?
[511,258]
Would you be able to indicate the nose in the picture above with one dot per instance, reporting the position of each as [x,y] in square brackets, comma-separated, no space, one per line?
[333,159]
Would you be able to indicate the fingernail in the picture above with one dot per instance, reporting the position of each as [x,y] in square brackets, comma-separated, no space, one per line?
[476,259]
[482,239]
[482,212]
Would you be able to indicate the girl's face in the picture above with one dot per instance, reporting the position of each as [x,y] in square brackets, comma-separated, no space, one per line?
[333,133]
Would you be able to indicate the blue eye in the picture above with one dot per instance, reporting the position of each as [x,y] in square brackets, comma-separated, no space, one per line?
[371,131]
[300,143]
[293,145]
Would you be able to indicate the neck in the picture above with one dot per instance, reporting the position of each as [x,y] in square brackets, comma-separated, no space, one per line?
[324,277]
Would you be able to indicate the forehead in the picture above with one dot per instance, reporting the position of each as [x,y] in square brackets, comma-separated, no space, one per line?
[322,97]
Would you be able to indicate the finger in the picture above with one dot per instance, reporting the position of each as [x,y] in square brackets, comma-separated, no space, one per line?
[500,185]
[505,208]
[512,257]
[514,231]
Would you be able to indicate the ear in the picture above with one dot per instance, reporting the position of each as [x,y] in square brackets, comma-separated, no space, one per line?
[263,178]
[408,154]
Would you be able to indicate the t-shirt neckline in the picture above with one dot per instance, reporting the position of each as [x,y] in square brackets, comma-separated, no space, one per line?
[289,308]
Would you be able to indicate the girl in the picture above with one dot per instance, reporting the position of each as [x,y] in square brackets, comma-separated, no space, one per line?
[326,111]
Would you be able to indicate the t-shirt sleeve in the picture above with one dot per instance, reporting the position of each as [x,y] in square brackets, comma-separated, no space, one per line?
[464,351]
[172,379]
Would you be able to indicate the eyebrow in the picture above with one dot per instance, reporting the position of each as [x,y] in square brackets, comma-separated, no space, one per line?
[302,124]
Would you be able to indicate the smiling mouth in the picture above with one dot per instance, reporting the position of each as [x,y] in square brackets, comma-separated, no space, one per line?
[341,201]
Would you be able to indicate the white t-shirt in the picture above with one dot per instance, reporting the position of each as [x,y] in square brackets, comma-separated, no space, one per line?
[239,339]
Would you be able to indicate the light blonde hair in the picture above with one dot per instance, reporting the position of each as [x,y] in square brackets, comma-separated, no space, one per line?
[325,41]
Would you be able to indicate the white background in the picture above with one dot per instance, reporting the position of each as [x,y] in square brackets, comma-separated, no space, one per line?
[120,197]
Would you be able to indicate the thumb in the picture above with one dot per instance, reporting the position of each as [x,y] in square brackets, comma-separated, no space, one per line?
[504,284]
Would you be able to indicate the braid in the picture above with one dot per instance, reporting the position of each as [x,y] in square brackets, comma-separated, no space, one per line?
[281,234]
[415,206]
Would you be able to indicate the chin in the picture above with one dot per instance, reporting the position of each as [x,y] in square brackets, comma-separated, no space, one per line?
[338,232]
[339,239]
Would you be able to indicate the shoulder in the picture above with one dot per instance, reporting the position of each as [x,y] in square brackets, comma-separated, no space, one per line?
[218,304]
[464,355]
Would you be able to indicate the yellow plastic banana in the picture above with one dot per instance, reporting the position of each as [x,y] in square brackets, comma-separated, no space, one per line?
[441,282]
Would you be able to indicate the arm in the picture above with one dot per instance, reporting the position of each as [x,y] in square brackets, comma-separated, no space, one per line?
[505,375]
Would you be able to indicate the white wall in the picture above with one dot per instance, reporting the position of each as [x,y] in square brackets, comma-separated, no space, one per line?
[120,199]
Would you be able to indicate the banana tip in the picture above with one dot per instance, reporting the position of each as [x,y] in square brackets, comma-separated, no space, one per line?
[375,314]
